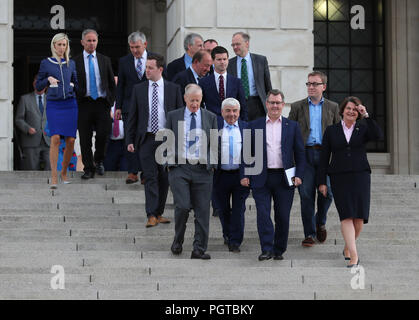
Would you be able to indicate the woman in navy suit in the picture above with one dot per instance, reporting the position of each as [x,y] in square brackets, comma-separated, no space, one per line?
[59,74]
[349,170]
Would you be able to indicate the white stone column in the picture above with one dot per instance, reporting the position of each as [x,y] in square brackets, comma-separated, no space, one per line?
[282,30]
[6,85]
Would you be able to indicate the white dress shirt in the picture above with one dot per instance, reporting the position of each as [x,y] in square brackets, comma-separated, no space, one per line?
[143,62]
[161,113]
[217,79]
[101,93]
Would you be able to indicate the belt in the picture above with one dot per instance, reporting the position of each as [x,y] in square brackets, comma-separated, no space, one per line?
[316,147]
[276,170]
[230,171]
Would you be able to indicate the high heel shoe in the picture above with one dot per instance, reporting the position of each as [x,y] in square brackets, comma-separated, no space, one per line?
[346,258]
[64,181]
[353,265]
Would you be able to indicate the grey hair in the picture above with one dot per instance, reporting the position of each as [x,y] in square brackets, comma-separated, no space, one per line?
[190,39]
[244,35]
[136,36]
[230,102]
[193,88]
[85,32]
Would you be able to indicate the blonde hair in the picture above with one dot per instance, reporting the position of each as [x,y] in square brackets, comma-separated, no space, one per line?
[56,38]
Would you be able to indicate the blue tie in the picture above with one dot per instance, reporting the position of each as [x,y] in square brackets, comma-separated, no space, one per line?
[192,127]
[139,68]
[92,79]
[41,105]
[230,145]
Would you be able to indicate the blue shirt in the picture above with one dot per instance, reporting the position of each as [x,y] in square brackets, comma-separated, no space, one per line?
[225,146]
[252,85]
[187,117]
[315,136]
[188,60]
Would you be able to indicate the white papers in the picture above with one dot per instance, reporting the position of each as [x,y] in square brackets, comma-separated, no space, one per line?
[290,173]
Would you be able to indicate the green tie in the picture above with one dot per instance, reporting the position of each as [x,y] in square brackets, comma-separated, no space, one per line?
[245,78]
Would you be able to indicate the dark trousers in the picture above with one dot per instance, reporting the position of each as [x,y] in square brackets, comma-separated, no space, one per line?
[255,108]
[133,158]
[93,115]
[308,195]
[273,239]
[115,156]
[191,186]
[156,184]
[231,198]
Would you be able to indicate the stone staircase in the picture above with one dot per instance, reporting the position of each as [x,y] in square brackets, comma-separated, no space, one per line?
[96,231]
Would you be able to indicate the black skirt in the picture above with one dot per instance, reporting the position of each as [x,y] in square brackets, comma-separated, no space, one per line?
[352,194]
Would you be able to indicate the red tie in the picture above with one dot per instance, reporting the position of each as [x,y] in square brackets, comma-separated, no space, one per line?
[115,130]
[221,88]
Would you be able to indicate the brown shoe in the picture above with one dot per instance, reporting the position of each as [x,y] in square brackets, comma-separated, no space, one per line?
[161,219]
[132,178]
[308,242]
[321,233]
[152,222]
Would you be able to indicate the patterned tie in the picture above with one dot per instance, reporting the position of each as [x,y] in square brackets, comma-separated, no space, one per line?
[154,109]
[92,78]
[221,88]
[192,127]
[245,78]
[139,68]
[230,144]
[41,105]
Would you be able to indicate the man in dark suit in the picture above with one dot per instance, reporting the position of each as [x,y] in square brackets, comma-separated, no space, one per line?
[193,43]
[201,64]
[151,101]
[227,187]
[283,149]
[314,114]
[190,169]
[253,71]
[210,44]
[31,120]
[95,96]
[221,85]
[131,72]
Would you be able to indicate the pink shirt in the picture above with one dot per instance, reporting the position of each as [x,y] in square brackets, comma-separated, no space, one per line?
[347,131]
[273,143]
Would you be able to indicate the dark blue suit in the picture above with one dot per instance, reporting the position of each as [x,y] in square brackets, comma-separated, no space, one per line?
[211,97]
[272,184]
[176,66]
[226,186]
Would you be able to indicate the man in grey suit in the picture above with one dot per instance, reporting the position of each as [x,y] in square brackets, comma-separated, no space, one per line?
[31,119]
[314,114]
[253,70]
[190,169]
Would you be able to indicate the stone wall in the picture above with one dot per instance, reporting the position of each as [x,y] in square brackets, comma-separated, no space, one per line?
[6,85]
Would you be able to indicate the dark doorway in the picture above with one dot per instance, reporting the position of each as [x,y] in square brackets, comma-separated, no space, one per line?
[33,33]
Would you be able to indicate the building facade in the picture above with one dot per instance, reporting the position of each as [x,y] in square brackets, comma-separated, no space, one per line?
[368,48]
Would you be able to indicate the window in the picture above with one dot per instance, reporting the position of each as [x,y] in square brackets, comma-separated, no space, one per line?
[352,59]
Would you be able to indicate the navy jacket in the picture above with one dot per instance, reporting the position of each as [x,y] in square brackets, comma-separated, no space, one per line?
[65,74]
[211,97]
[346,157]
[292,150]
[176,66]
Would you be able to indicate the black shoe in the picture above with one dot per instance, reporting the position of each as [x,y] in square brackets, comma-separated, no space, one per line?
[100,168]
[265,256]
[278,257]
[234,248]
[215,213]
[226,240]
[88,175]
[198,254]
[353,265]
[176,248]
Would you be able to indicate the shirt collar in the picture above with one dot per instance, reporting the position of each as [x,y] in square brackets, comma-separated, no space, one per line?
[246,57]
[159,82]
[86,54]
[188,58]
[194,73]
[236,124]
[217,75]
[345,127]
[188,112]
[269,119]
[320,103]
[143,57]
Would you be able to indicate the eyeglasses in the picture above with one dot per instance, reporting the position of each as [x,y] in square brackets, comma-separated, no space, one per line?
[275,102]
[314,84]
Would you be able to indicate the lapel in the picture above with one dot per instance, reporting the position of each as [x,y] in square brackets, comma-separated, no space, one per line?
[284,132]
[146,100]
[229,88]
[101,67]
[82,75]
[213,87]
[254,65]
[325,109]
[354,135]
[166,95]
[234,66]
[132,70]
[306,111]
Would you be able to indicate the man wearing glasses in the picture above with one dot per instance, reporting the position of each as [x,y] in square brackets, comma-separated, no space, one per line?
[314,114]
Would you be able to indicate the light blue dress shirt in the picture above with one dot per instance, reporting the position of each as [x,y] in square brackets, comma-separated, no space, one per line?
[101,93]
[252,84]
[187,117]
[188,60]
[315,136]
[225,146]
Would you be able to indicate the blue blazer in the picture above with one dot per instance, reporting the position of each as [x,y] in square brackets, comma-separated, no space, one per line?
[292,144]
[211,97]
[65,74]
